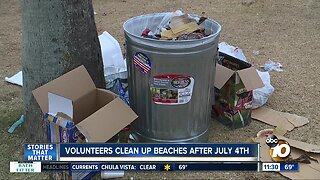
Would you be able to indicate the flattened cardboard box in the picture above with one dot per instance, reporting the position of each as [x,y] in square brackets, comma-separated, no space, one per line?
[234,82]
[279,119]
[97,113]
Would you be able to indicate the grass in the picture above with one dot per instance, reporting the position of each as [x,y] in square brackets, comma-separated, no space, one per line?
[11,145]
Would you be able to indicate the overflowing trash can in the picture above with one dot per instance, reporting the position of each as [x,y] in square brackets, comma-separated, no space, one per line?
[170,80]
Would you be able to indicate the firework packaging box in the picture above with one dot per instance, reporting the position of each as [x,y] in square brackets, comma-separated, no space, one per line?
[98,114]
[75,108]
[234,82]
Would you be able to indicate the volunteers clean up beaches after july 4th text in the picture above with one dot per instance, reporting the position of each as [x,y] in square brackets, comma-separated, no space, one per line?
[148,150]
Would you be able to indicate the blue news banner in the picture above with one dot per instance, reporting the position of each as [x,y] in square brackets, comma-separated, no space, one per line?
[145,157]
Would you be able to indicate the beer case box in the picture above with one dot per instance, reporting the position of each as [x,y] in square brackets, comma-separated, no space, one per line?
[234,82]
[75,108]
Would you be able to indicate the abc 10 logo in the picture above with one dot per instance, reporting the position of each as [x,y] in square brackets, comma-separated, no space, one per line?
[279,149]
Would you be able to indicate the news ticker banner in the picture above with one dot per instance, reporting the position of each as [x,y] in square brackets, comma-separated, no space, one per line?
[105,166]
[142,152]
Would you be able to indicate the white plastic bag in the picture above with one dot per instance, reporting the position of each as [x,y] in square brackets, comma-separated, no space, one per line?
[166,19]
[273,66]
[261,95]
[111,54]
[113,63]
[232,51]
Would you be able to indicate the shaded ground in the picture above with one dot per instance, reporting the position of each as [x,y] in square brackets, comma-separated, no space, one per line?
[286,31]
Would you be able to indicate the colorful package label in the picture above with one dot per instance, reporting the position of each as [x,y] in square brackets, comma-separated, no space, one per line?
[142,62]
[171,89]
[60,130]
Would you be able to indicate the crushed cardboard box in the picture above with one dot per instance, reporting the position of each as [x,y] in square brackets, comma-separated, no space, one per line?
[97,113]
[298,149]
[280,119]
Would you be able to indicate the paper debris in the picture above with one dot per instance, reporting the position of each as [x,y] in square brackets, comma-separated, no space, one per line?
[265,132]
[178,26]
[273,66]
[15,79]
[184,29]
[256,52]
[282,120]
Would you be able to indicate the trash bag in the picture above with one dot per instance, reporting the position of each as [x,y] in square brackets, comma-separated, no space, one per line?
[120,89]
[113,63]
[261,95]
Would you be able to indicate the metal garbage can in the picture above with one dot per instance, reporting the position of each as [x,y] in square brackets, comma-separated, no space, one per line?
[170,82]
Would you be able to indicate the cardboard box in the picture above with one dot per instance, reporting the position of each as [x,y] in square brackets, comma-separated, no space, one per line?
[79,108]
[97,113]
[234,82]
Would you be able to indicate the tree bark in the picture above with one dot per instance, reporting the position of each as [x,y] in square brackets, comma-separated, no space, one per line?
[58,36]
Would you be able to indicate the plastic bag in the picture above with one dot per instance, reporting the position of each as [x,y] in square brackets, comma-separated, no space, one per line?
[111,52]
[166,20]
[232,51]
[261,95]
[120,89]
[113,63]
[273,66]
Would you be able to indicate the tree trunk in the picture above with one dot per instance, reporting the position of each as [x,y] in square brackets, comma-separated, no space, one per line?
[58,36]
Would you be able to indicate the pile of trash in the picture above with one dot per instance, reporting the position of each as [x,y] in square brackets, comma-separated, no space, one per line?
[177,26]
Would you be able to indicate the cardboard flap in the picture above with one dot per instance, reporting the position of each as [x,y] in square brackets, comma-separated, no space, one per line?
[280,119]
[223,74]
[250,78]
[85,106]
[110,93]
[73,85]
[271,117]
[104,97]
[302,145]
[107,121]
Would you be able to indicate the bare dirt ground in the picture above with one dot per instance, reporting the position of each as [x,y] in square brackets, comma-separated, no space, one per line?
[286,31]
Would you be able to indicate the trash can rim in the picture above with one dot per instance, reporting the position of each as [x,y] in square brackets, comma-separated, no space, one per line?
[170,41]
